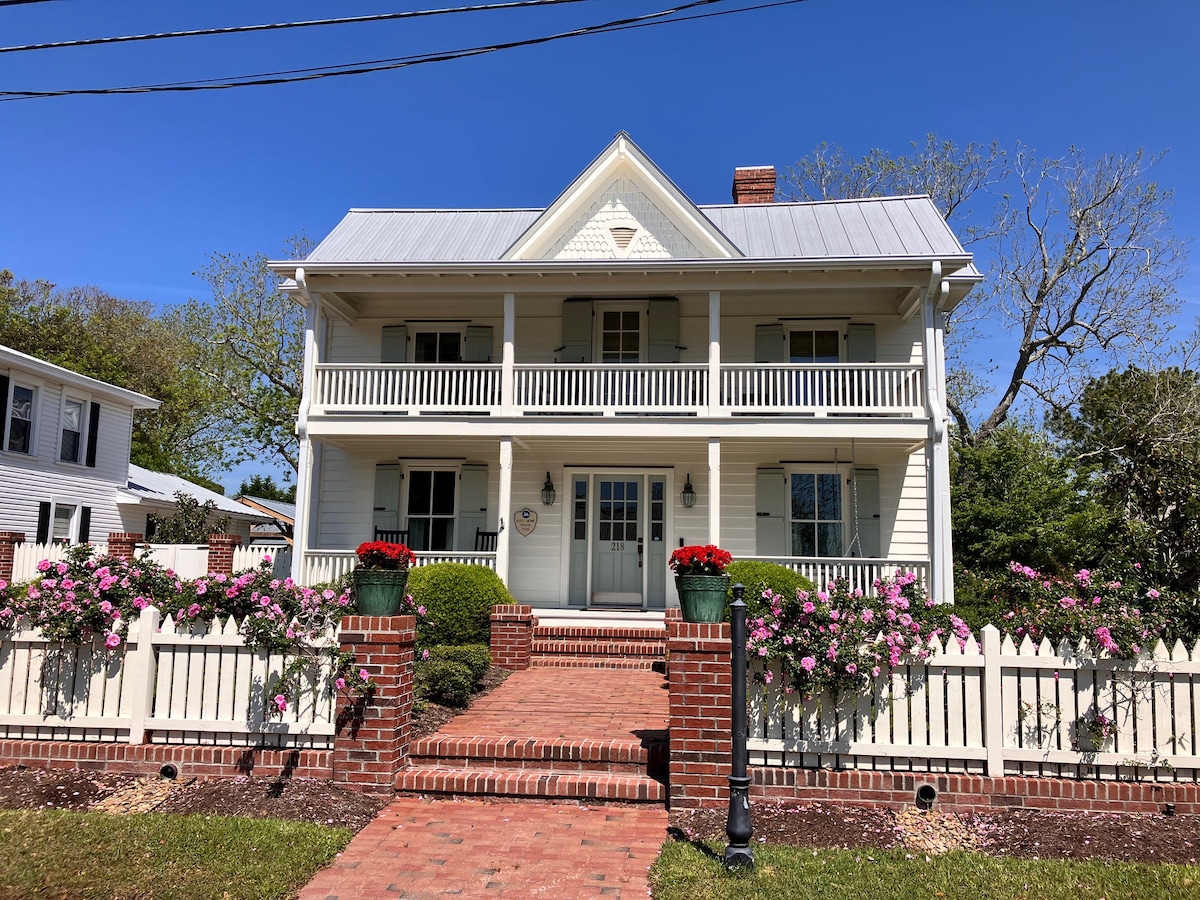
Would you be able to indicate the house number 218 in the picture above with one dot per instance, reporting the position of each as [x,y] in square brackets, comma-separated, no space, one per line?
[617,546]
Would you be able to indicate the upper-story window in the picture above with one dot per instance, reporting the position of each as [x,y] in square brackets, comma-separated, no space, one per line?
[437,347]
[20,419]
[71,445]
[813,345]
[620,336]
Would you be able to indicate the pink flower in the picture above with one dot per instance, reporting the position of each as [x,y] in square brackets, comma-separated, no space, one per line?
[768,676]
[340,684]
[851,669]
[112,641]
[44,565]
[420,610]
[193,610]
[364,674]
[281,702]
[424,654]
[808,664]
[810,607]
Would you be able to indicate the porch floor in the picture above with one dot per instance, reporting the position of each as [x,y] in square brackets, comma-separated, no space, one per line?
[552,732]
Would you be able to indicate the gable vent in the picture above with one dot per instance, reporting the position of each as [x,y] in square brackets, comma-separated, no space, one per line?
[622,236]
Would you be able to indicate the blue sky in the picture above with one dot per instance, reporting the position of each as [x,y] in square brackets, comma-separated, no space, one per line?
[132,193]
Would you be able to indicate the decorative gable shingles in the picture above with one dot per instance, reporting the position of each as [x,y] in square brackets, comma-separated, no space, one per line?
[621,205]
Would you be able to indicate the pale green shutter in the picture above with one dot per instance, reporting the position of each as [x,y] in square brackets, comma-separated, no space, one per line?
[865,508]
[394,347]
[479,344]
[576,331]
[387,498]
[860,344]
[770,517]
[663,327]
[768,344]
[472,504]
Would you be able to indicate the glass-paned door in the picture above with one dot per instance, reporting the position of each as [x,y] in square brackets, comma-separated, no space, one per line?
[430,520]
[818,523]
[813,347]
[618,548]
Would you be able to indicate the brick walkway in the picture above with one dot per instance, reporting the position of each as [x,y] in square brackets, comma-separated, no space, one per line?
[578,704]
[420,848]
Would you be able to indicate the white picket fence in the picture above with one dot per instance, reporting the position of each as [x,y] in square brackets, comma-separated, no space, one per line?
[999,709]
[322,566]
[181,684]
[187,560]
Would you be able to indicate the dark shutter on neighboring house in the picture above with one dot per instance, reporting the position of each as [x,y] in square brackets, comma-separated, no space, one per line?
[93,435]
[3,407]
[85,524]
[151,525]
[663,328]
[43,531]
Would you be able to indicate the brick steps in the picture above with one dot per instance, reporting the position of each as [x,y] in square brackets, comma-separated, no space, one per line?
[598,647]
[525,783]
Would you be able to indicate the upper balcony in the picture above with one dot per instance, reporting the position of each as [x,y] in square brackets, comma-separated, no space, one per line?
[616,389]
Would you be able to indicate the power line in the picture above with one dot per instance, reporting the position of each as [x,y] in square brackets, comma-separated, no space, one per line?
[662,17]
[276,26]
[21,2]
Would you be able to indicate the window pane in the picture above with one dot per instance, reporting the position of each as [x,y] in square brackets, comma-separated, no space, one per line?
[803,539]
[419,486]
[803,497]
[631,490]
[826,347]
[606,490]
[70,447]
[618,490]
[581,531]
[829,497]
[629,320]
[450,347]
[612,342]
[443,493]
[612,320]
[605,531]
[656,490]
[443,534]
[62,523]
[656,531]
[800,346]
[829,540]
[656,511]
[22,403]
[72,414]
[631,531]
[581,488]
[425,347]
[418,534]
[580,509]
[18,435]
[629,342]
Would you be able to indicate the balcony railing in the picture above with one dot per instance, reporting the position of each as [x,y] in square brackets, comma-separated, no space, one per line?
[823,389]
[408,387]
[861,573]
[609,389]
[320,566]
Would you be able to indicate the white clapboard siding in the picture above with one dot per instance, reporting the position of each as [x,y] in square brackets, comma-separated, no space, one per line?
[1006,708]
[182,682]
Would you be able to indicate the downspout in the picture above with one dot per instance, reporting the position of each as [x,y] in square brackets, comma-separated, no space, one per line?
[300,530]
[942,576]
[941,290]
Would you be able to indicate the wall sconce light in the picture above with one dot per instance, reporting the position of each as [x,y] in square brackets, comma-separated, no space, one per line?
[688,497]
[548,492]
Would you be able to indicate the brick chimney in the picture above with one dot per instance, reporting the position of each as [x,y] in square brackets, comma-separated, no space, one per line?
[754,184]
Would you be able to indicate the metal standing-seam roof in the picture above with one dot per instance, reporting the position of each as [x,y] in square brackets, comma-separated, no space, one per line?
[159,487]
[872,227]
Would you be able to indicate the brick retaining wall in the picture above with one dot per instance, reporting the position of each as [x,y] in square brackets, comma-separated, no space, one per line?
[147,759]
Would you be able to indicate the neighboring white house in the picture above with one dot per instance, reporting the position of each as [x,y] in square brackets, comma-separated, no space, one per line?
[149,492]
[569,393]
[65,474]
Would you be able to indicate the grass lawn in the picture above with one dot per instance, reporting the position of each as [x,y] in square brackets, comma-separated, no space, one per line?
[60,854]
[684,872]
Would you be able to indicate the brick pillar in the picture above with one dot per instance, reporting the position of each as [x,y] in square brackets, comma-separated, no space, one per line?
[220,553]
[373,735]
[511,641]
[123,544]
[8,550]
[701,723]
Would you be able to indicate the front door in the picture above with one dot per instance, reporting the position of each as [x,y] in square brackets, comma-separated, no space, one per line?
[618,548]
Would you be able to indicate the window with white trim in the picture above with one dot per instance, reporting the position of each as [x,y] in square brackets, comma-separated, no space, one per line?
[21,402]
[814,345]
[64,523]
[70,447]
[817,511]
[438,346]
[431,508]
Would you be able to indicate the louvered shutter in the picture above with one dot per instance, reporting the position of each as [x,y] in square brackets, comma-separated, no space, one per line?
[43,529]
[768,343]
[93,435]
[663,327]
[860,343]
[85,525]
[472,504]
[770,516]
[577,331]
[3,410]
[394,347]
[866,510]
[479,344]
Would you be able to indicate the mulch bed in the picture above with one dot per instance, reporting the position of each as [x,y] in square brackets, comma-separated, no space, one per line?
[1030,834]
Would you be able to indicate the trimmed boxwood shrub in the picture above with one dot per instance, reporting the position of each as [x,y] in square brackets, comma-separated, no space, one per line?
[757,577]
[458,601]
[475,657]
[444,681]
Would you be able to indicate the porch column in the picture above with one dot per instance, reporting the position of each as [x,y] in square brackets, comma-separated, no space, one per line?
[505,511]
[507,374]
[714,354]
[305,486]
[937,447]
[714,491]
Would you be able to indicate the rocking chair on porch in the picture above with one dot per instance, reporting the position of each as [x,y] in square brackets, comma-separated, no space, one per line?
[485,541]
[392,537]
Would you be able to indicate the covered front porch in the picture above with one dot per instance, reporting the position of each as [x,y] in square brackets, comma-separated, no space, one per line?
[589,521]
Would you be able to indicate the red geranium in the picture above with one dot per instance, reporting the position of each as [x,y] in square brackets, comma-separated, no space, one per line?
[385,555]
[697,560]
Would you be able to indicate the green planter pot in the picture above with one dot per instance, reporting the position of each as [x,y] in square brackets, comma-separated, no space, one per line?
[702,597]
[379,592]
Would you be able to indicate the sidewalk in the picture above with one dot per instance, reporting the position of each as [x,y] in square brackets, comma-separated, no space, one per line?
[418,848]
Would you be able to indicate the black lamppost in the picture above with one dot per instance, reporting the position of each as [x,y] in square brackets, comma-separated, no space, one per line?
[738,855]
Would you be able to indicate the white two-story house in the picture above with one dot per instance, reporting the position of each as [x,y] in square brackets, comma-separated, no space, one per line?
[568,393]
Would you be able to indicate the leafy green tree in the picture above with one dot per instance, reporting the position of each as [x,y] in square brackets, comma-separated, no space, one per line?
[1080,260]
[1014,496]
[264,487]
[191,523]
[249,340]
[1141,431]
[124,343]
